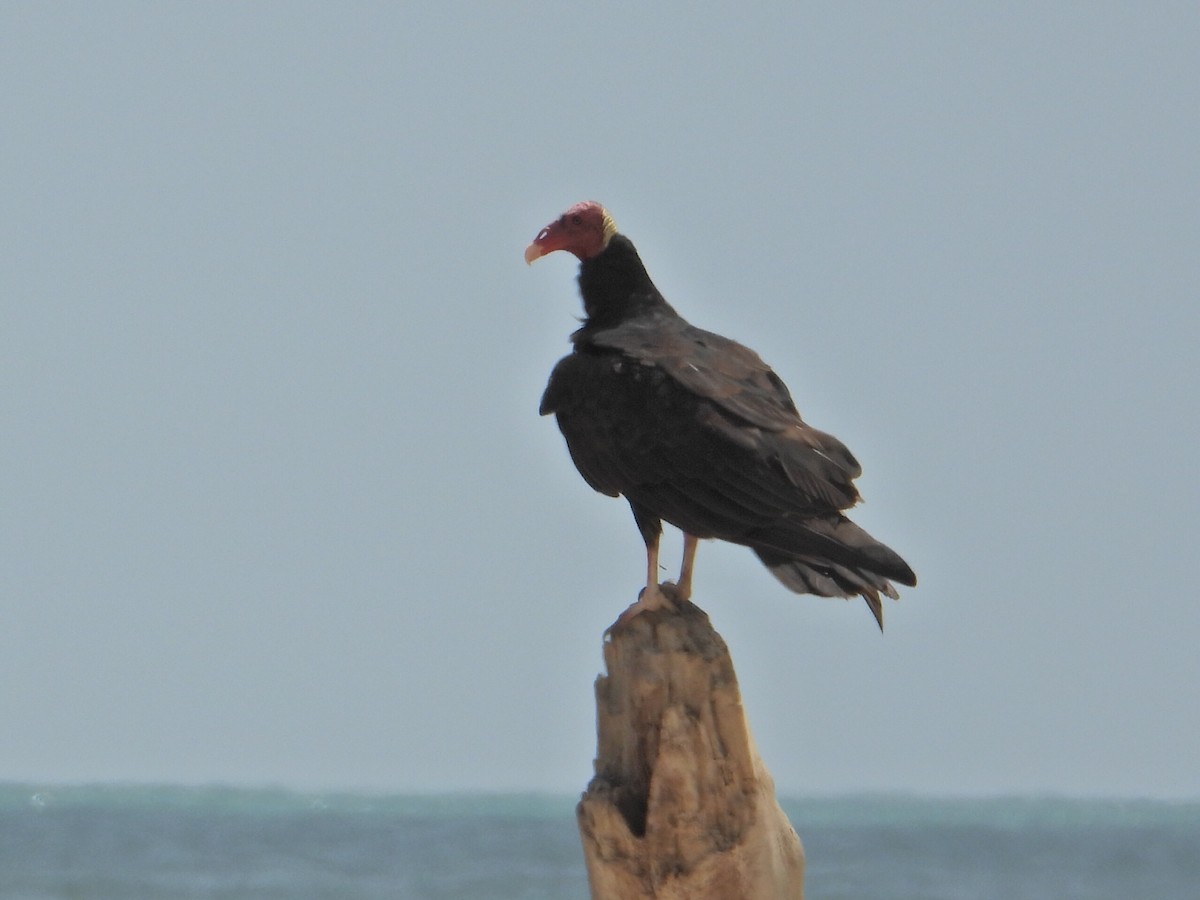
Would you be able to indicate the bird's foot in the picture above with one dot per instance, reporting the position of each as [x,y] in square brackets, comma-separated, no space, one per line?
[652,597]
[677,593]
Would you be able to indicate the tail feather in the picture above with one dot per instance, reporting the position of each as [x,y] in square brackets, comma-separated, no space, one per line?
[836,558]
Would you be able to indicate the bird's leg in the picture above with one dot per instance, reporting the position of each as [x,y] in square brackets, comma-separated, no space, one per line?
[652,595]
[652,564]
[683,589]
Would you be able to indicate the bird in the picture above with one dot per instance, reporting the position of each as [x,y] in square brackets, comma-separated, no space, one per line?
[694,429]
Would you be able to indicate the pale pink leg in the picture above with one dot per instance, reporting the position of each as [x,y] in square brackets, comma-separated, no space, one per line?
[683,590]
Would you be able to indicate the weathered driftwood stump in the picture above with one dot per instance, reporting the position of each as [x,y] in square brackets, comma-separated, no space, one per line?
[681,805]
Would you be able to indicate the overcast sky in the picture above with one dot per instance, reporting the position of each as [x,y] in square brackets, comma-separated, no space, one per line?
[276,503]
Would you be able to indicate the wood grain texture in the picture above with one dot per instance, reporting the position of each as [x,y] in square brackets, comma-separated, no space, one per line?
[681,805]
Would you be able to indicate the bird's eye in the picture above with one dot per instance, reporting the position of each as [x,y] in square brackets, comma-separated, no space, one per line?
[575,220]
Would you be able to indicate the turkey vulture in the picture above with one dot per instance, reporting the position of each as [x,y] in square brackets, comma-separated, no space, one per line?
[695,429]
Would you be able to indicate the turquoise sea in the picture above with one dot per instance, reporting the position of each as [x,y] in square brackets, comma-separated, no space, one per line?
[123,842]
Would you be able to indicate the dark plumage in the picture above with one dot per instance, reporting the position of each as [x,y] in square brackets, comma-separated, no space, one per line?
[694,429]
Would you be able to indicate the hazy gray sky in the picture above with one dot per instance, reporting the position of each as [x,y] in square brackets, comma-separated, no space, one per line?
[277,506]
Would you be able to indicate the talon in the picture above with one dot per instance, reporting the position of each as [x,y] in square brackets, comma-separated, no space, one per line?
[652,597]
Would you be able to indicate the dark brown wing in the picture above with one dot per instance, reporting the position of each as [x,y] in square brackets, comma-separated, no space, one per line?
[743,401]
[695,429]
[590,425]
[710,366]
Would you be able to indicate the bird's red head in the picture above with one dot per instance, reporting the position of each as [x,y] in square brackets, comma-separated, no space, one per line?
[584,229]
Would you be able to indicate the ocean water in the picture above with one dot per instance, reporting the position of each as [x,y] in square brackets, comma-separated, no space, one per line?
[121,842]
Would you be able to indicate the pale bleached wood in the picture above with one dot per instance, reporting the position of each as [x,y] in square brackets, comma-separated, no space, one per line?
[681,806]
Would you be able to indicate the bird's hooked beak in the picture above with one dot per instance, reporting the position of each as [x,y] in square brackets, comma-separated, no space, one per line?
[548,240]
[532,252]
